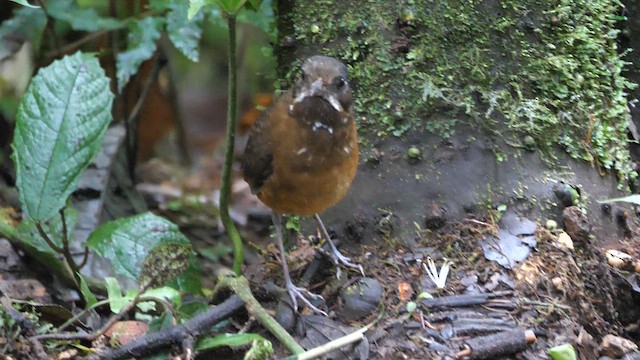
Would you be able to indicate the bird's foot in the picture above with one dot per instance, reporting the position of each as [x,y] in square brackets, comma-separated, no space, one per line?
[296,292]
[338,259]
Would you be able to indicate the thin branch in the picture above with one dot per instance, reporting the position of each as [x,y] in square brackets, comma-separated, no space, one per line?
[85,258]
[47,239]
[153,342]
[76,44]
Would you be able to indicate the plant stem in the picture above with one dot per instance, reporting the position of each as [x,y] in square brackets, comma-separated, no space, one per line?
[238,251]
[240,286]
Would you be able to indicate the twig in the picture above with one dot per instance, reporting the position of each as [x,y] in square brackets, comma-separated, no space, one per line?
[153,342]
[47,239]
[330,346]
[76,44]
[66,251]
[497,345]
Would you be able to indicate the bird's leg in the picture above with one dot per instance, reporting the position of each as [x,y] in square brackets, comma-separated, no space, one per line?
[335,254]
[294,291]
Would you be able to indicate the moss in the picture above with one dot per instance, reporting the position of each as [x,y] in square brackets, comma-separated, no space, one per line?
[547,70]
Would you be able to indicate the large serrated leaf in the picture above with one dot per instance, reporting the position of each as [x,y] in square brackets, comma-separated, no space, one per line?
[59,128]
[81,19]
[128,241]
[142,42]
[183,32]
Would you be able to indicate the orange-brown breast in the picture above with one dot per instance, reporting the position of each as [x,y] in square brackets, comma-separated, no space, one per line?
[312,169]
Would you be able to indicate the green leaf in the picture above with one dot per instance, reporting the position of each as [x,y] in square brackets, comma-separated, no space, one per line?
[114,294]
[261,16]
[212,342]
[128,241]
[26,24]
[194,7]
[189,282]
[28,233]
[142,43]
[164,263]
[81,19]
[563,352]
[164,321]
[634,199]
[60,124]
[88,296]
[25,3]
[184,32]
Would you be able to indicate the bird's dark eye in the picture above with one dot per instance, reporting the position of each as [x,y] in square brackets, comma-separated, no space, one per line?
[340,82]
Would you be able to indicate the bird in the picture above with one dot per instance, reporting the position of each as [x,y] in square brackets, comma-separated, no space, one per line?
[302,155]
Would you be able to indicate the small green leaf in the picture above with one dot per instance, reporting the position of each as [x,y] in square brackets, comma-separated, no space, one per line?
[60,124]
[411,307]
[141,44]
[210,342]
[127,242]
[165,293]
[26,3]
[634,199]
[164,321]
[194,7]
[563,352]
[114,294]
[184,32]
[88,296]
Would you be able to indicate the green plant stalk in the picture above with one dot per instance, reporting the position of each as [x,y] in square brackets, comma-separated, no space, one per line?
[238,250]
[240,286]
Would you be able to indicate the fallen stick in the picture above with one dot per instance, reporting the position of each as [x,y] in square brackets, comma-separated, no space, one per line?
[496,345]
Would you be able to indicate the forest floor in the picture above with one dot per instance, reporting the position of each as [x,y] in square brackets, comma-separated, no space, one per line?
[509,278]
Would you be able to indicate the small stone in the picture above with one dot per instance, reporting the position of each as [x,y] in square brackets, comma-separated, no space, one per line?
[616,346]
[361,299]
[558,284]
[435,217]
[529,142]
[551,225]
[564,240]
[576,223]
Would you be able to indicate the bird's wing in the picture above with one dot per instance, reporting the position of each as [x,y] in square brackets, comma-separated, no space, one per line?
[257,160]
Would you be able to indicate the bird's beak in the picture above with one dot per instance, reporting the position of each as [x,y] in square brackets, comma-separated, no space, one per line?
[317,89]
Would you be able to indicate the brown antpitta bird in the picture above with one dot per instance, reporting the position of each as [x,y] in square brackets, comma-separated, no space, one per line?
[302,154]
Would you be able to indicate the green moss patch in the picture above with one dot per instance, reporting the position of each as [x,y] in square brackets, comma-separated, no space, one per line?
[543,70]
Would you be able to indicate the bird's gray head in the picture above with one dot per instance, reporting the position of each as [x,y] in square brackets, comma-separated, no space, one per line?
[324,77]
